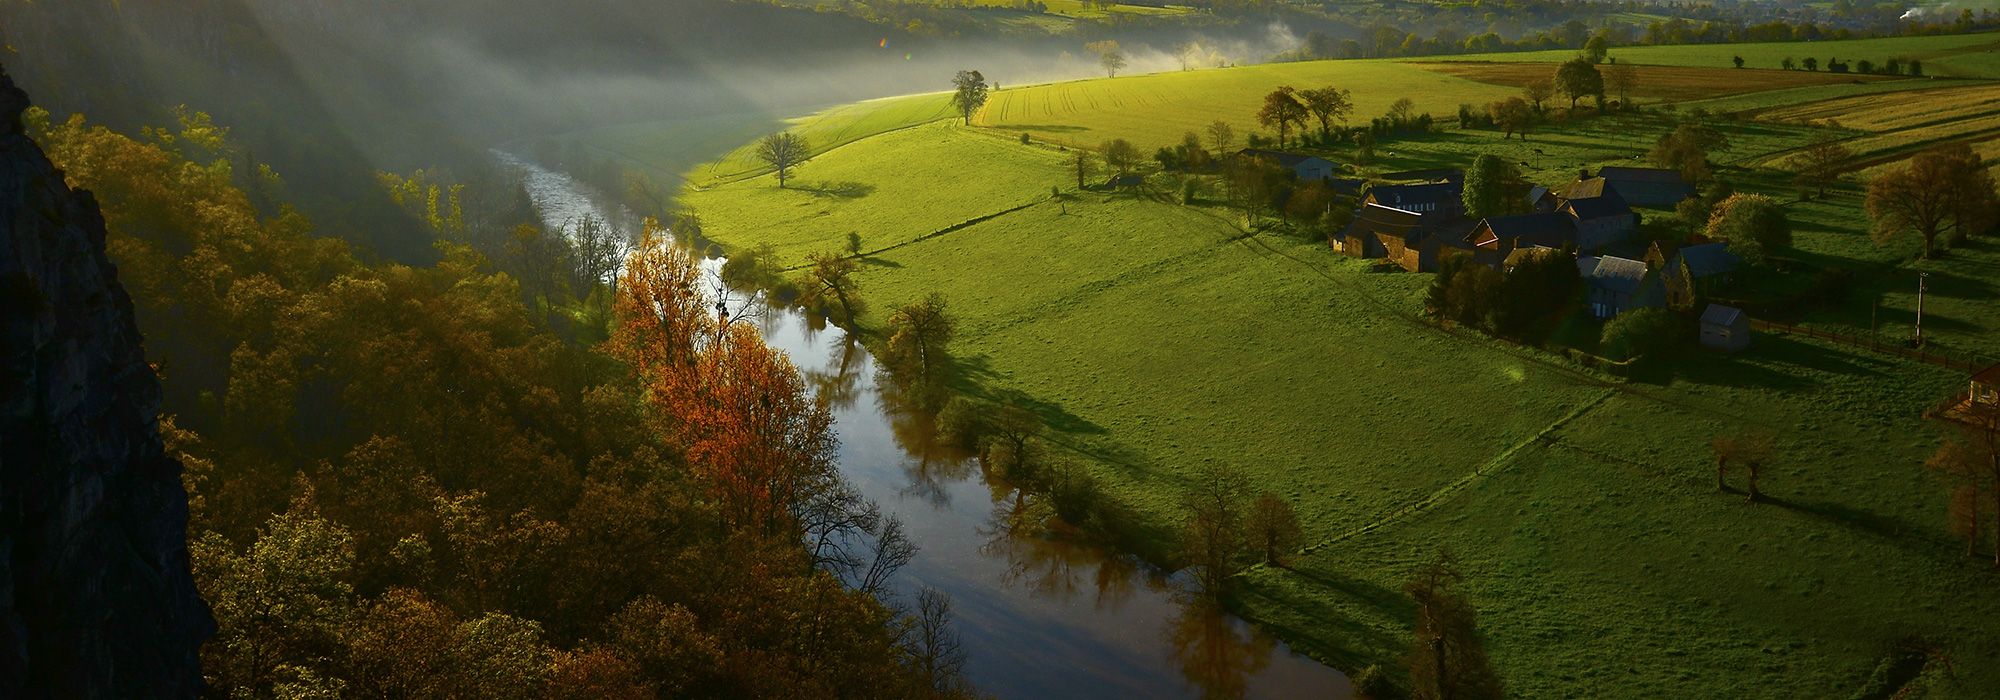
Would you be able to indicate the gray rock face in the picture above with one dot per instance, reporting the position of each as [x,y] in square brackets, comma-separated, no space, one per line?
[96,597]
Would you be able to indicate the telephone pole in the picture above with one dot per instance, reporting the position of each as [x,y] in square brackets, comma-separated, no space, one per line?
[1922,279]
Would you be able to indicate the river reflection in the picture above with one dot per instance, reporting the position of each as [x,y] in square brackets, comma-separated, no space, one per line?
[1042,616]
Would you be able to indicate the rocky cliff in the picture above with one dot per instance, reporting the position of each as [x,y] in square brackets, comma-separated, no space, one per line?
[96,598]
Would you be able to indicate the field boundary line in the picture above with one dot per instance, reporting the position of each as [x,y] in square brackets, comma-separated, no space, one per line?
[1491,466]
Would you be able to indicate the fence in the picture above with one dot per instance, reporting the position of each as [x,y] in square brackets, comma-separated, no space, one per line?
[1964,360]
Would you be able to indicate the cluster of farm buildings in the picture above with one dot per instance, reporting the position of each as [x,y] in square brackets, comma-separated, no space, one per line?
[1416,224]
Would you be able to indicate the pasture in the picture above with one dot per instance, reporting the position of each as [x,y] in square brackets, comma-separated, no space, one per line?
[1677,83]
[1155,110]
[1951,55]
[1580,505]
[1153,337]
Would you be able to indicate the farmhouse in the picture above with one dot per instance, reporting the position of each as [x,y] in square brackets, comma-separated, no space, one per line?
[1303,167]
[1602,219]
[1647,187]
[1444,199]
[1617,285]
[1496,238]
[1725,328]
[1411,240]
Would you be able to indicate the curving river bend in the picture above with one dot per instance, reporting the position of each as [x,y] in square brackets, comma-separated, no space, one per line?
[1040,618]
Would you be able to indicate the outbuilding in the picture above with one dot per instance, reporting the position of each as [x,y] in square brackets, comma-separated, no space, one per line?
[1725,328]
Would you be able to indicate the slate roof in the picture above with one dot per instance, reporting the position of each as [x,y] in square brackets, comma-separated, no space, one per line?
[1719,315]
[1605,204]
[1347,186]
[1648,186]
[1431,175]
[1615,273]
[1709,259]
[1440,194]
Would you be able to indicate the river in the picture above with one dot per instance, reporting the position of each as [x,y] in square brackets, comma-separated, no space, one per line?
[1040,618]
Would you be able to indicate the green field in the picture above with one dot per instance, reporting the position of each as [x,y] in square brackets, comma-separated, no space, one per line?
[1583,507]
[1155,110]
[1954,55]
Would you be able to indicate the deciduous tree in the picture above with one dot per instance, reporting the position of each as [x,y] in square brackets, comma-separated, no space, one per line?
[1327,104]
[1214,535]
[1121,155]
[1620,78]
[783,152]
[1488,186]
[1281,110]
[1538,91]
[1273,528]
[829,279]
[1754,225]
[969,92]
[1686,149]
[1221,137]
[1945,192]
[1578,78]
[1110,56]
[1821,163]
[1447,658]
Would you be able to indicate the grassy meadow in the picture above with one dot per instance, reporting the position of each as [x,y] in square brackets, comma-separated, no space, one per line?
[1951,56]
[1155,337]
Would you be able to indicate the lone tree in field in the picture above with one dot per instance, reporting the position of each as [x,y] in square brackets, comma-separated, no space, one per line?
[1109,56]
[1327,104]
[1620,78]
[1221,137]
[1538,91]
[1578,78]
[1487,185]
[783,151]
[1083,164]
[1121,155]
[1273,527]
[919,338]
[1821,163]
[1752,452]
[1943,190]
[1970,465]
[1811,64]
[1685,150]
[1281,110]
[829,279]
[1214,536]
[969,94]
[1513,116]
[1738,60]
[1447,659]
[1754,225]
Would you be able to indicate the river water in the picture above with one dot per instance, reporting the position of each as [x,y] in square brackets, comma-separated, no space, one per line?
[1039,617]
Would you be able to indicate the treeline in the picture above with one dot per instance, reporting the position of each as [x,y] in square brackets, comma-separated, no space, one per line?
[405,484]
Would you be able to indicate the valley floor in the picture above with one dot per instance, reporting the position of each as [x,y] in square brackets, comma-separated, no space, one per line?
[1154,337]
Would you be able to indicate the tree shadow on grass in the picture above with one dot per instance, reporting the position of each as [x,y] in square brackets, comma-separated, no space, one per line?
[1887,528]
[842,189]
[1764,365]
[873,261]
[1344,640]
[1049,128]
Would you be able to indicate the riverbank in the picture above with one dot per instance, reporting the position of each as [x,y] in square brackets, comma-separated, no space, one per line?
[1040,616]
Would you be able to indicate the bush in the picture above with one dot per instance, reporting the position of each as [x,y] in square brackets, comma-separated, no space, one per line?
[1647,332]
[1025,139]
[1371,683]
[1754,225]
[961,423]
[1073,492]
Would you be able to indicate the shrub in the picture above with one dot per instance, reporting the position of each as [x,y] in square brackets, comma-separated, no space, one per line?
[961,423]
[1371,683]
[1025,139]
[1643,332]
